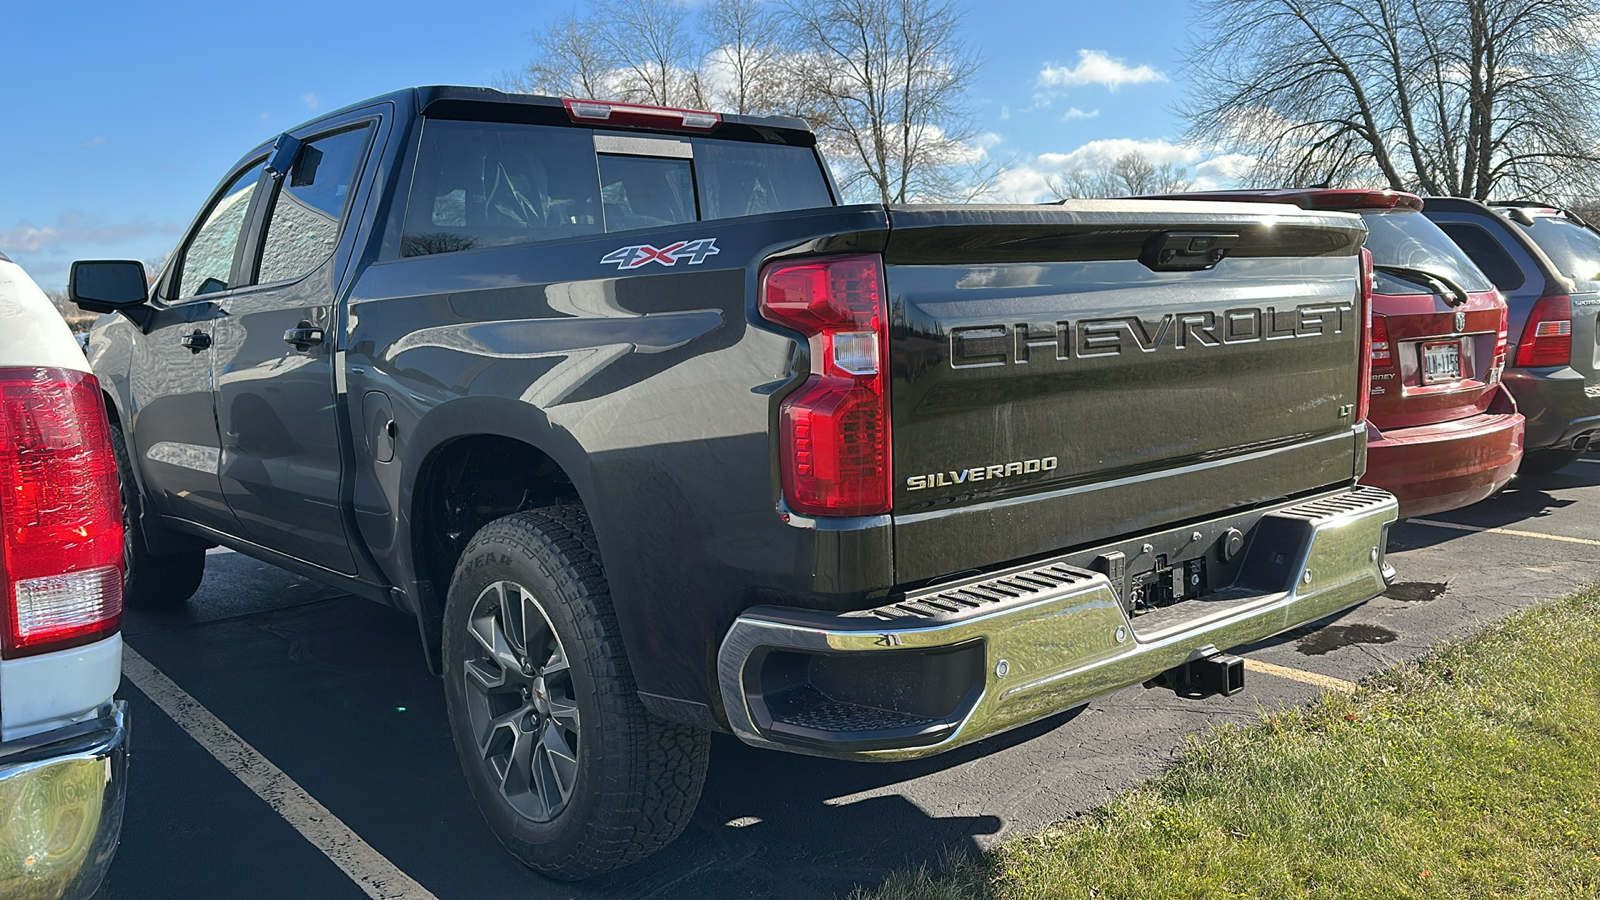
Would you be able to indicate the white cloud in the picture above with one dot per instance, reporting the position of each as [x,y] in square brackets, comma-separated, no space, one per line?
[1024,182]
[1076,113]
[75,228]
[310,100]
[1005,113]
[95,141]
[1094,67]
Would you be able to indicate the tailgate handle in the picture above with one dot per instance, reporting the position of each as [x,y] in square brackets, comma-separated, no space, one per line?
[1182,251]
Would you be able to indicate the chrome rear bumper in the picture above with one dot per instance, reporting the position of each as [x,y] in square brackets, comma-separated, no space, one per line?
[959,662]
[61,799]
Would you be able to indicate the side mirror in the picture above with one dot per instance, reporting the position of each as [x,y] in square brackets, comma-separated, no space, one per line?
[108,285]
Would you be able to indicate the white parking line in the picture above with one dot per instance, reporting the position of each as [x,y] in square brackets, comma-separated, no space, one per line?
[1532,534]
[1322,681]
[379,878]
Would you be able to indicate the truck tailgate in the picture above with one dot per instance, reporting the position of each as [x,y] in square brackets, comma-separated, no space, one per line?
[1050,389]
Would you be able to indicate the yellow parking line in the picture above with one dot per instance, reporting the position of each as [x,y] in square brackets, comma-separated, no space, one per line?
[1322,681]
[1532,534]
[379,878]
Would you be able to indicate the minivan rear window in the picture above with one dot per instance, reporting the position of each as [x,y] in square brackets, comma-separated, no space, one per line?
[489,184]
[1408,238]
[1574,249]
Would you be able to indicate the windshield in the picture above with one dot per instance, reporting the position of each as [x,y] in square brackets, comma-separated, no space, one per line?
[1574,249]
[1408,239]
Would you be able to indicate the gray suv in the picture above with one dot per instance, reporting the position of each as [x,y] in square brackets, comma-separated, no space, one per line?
[1547,263]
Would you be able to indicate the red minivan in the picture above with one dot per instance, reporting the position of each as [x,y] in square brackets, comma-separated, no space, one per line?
[1443,432]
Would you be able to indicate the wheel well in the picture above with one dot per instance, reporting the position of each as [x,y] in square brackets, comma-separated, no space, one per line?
[469,483]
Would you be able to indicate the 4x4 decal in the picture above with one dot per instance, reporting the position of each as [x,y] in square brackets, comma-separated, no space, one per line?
[692,252]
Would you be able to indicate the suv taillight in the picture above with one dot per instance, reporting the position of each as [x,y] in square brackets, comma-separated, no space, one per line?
[1382,353]
[1547,338]
[834,451]
[61,564]
[1369,344]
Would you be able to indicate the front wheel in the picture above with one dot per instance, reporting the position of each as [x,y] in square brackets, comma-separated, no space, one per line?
[574,776]
[153,582]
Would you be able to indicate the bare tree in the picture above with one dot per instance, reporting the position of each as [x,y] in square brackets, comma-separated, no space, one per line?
[745,70]
[885,84]
[571,58]
[658,55]
[1129,175]
[1473,98]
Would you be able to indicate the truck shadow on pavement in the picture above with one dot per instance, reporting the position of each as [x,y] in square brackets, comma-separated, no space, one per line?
[318,687]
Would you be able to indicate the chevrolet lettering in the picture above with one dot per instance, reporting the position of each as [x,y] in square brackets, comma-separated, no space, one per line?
[996,345]
[982,473]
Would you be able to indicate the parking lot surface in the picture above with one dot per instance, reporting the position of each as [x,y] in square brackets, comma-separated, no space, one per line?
[319,715]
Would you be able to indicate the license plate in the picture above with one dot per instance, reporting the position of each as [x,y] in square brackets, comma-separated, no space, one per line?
[1441,362]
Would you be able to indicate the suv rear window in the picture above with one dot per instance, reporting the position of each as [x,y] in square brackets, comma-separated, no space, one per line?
[1408,238]
[485,184]
[1574,249]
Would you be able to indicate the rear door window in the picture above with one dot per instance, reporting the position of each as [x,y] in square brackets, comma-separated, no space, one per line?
[487,184]
[1408,238]
[304,227]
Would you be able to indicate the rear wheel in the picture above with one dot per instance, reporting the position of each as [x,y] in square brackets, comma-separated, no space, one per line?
[1543,462]
[572,773]
[153,582]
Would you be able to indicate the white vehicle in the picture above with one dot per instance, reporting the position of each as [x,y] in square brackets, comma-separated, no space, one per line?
[63,739]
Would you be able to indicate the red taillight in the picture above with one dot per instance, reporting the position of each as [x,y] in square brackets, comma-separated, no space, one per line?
[1368,343]
[61,565]
[594,111]
[1382,353]
[834,450]
[1547,338]
[1501,337]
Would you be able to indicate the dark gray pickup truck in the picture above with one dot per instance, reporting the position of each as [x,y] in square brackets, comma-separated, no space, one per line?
[654,438]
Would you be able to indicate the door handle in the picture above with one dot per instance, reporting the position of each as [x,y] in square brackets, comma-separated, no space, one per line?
[303,336]
[196,342]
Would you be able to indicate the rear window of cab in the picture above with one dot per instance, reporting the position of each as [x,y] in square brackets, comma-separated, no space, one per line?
[1405,237]
[487,184]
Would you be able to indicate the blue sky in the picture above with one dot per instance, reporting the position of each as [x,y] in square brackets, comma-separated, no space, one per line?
[118,119]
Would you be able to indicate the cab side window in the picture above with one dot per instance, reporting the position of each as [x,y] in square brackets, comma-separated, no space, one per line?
[304,227]
[207,261]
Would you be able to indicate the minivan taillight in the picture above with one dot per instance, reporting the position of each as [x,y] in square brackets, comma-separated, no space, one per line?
[1368,343]
[61,563]
[1502,336]
[834,450]
[1547,338]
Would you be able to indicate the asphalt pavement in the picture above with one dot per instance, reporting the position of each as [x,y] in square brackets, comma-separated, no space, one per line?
[329,692]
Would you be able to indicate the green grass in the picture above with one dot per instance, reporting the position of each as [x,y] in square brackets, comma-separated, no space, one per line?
[1472,773]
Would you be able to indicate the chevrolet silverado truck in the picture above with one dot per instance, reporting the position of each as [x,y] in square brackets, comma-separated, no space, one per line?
[654,437]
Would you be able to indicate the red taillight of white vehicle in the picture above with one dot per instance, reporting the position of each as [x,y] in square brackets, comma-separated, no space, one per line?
[834,452]
[1547,338]
[1371,344]
[61,563]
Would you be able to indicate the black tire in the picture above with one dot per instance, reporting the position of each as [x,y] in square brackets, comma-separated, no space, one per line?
[636,779]
[1545,462]
[153,582]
